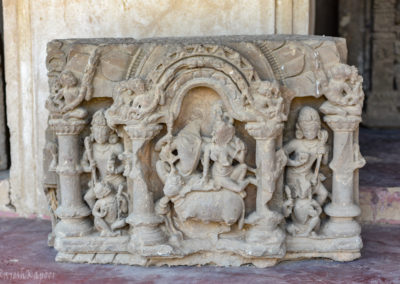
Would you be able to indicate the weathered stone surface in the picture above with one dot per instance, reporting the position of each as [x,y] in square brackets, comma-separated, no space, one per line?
[184,151]
[4,191]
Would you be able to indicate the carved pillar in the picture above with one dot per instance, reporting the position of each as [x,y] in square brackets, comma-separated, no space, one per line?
[265,221]
[265,137]
[145,223]
[72,211]
[342,209]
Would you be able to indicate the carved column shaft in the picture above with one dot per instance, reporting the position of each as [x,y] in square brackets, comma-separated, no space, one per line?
[265,135]
[265,161]
[73,212]
[68,170]
[145,223]
[265,221]
[143,204]
[342,180]
[342,209]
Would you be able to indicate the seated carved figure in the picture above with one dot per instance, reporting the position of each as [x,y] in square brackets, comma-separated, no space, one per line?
[109,209]
[222,150]
[133,100]
[198,196]
[101,157]
[66,96]
[303,179]
[305,215]
[344,92]
[266,98]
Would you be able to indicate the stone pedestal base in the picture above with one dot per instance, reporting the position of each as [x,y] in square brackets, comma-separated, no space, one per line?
[73,227]
[194,151]
[341,227]
[94,249]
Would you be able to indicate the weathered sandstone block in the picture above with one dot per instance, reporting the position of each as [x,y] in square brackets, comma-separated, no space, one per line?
[214,150]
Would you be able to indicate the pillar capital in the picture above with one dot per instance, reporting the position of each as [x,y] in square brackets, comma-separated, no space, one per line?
[264,130]
[67,126]
[143,132]
[342,123]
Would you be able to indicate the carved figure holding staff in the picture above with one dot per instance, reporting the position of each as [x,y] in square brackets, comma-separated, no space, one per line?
[303,178]
[100,157]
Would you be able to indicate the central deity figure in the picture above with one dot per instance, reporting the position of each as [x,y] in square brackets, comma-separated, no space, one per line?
[204,177]
[223,149]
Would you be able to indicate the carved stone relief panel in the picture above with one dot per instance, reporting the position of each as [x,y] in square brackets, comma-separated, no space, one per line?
[225,150]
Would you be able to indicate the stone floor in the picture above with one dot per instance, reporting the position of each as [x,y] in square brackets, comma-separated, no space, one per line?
[25,257]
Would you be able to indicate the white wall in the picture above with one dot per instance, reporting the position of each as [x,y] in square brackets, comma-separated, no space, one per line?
[30,24]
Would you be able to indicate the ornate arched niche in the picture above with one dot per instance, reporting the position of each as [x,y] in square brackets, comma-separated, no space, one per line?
[180,151]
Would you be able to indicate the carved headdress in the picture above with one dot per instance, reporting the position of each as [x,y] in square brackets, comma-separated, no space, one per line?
[267,88]
[307,115]
[223,129]
[341,70]
[99,118]
[134,85]
[102,189]
[67,78]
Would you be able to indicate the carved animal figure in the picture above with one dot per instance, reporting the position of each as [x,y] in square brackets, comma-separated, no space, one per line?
[222,206]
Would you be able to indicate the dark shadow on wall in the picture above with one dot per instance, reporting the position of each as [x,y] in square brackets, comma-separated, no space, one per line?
[326,17]
[4,131]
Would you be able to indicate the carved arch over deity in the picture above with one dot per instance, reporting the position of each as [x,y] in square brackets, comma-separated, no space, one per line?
[222,69]
[246,97]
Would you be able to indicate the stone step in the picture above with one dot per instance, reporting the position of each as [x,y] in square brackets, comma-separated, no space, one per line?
[380,205]
[380,178]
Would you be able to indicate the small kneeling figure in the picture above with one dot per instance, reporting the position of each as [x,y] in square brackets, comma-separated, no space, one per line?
[305,215]
[108,210]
